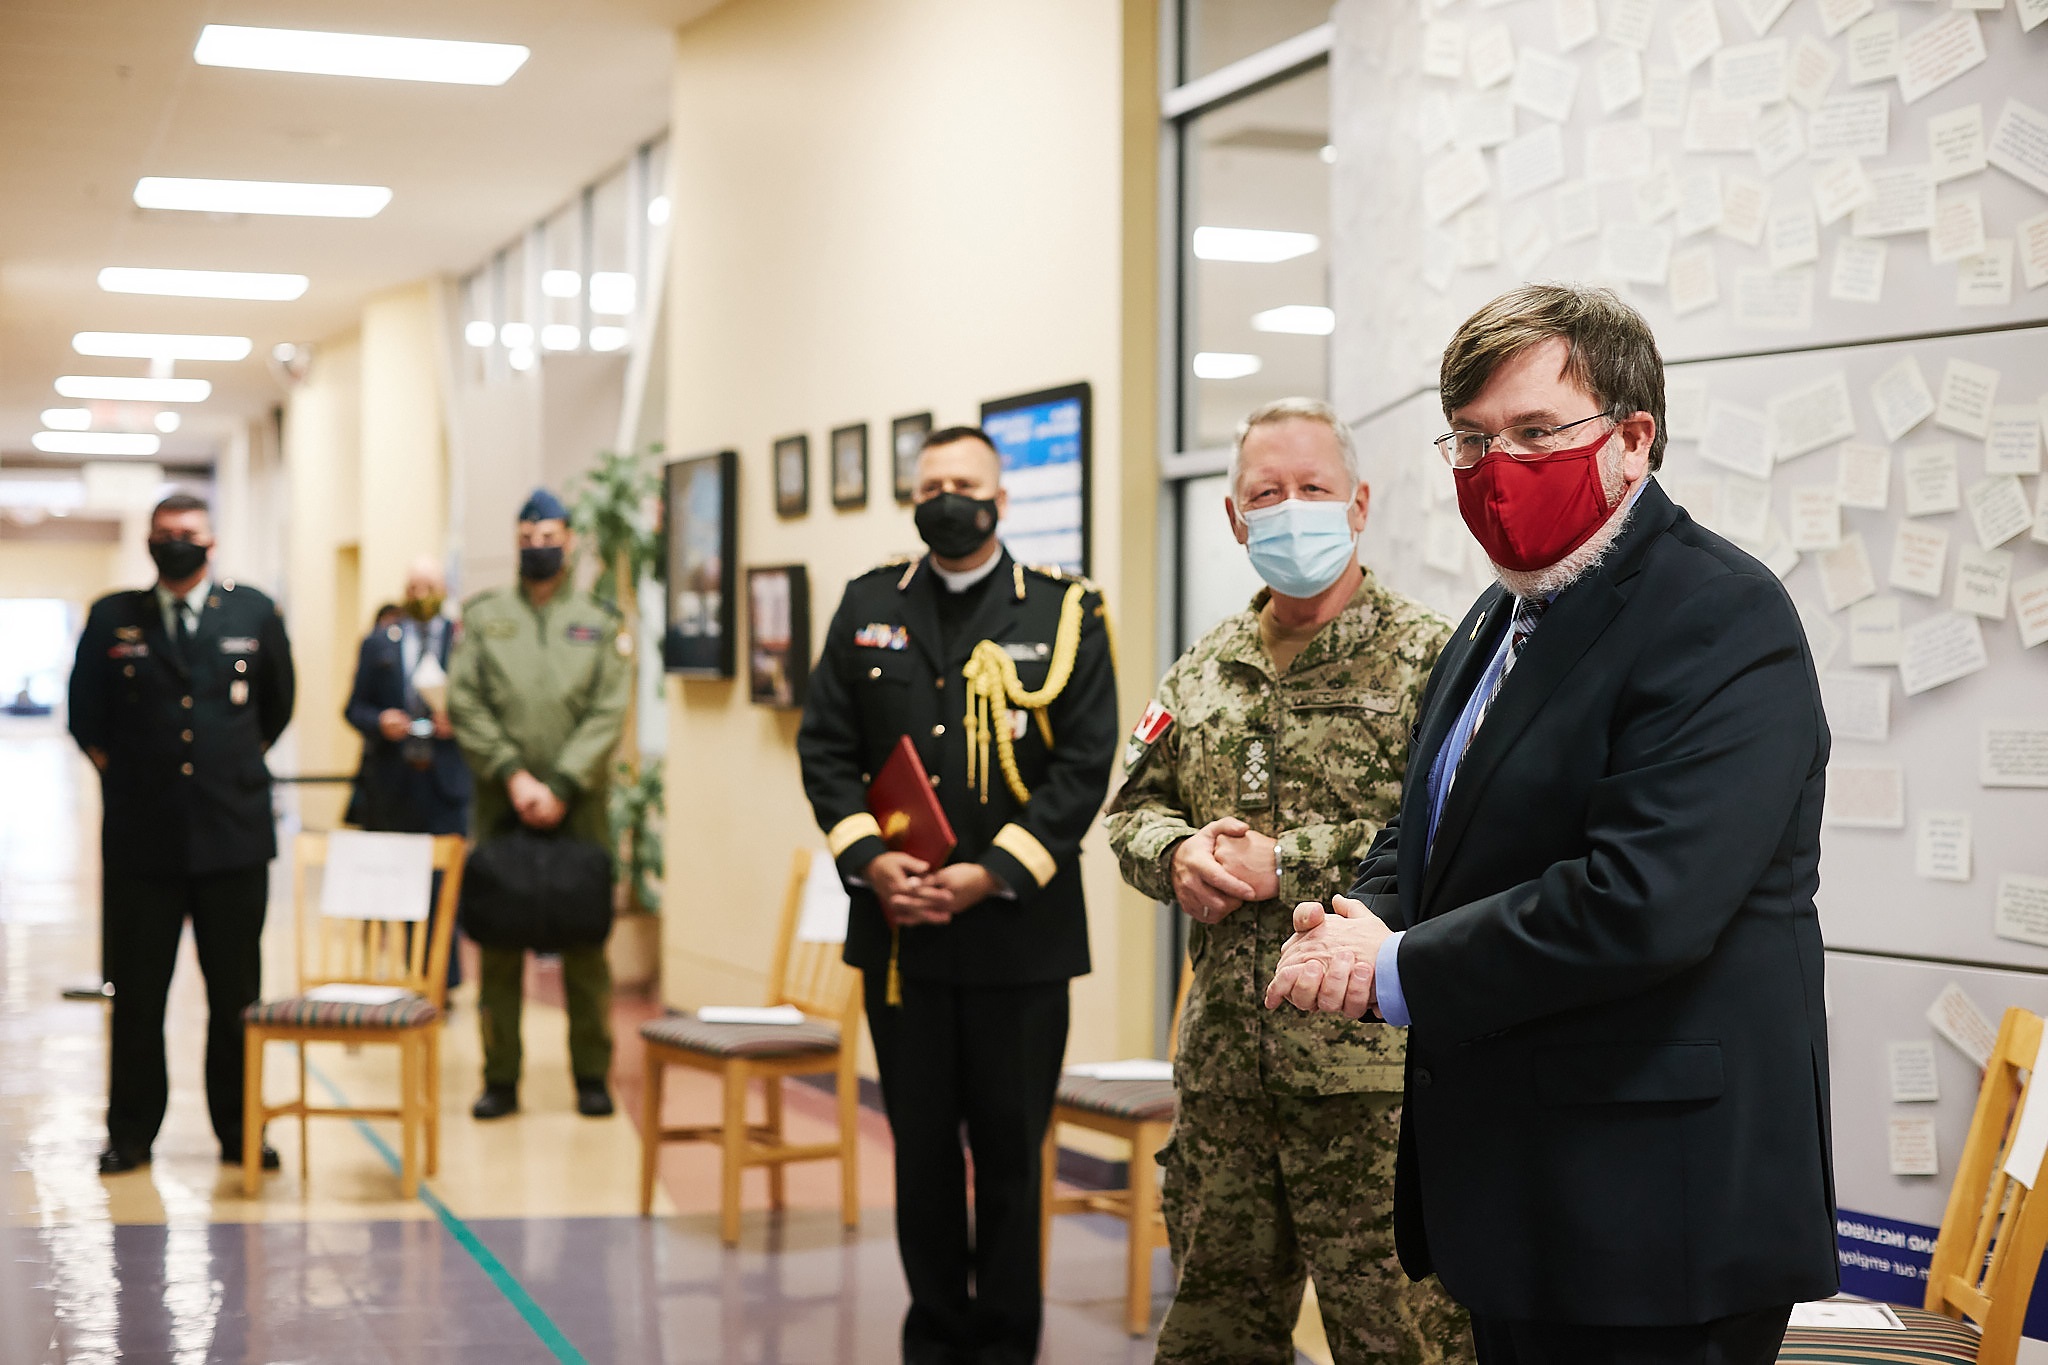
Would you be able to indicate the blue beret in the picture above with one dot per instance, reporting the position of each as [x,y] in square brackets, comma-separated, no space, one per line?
[542,505]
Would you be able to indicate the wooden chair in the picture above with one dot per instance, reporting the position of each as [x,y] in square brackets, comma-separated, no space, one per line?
[810,976]
[1141,1113]
[374,952]
[1989,1248]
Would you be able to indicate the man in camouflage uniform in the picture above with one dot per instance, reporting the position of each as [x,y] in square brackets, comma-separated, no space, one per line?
[1271,757]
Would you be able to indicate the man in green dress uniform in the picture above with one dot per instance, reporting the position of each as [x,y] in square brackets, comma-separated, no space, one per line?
[537,691]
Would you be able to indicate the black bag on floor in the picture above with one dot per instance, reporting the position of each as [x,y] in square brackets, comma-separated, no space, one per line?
[537,889]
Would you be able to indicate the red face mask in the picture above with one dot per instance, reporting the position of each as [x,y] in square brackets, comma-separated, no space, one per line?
[1527,516]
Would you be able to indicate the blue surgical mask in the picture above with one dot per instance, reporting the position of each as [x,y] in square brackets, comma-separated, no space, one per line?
[1298,547]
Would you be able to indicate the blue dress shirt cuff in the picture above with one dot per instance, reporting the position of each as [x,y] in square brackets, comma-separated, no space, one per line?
[1386,981]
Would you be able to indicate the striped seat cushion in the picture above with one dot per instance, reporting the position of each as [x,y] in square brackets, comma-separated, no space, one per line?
[411,1012]
[1929,1339]
[692,1034]
[1136,1101]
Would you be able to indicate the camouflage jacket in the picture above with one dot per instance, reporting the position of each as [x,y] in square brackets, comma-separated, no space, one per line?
[1314,758]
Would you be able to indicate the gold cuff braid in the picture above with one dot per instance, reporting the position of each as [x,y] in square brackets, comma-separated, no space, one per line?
[851,831]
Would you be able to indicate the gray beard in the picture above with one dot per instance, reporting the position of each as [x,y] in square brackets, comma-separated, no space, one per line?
[1589,556]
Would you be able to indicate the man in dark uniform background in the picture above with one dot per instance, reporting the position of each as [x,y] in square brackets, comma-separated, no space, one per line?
[413,779]
[1002,677]
[177,692]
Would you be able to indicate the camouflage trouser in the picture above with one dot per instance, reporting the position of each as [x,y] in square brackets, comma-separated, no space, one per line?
[1263,1192]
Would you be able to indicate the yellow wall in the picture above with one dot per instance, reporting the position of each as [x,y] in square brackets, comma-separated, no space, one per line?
[366,467]
[884,207]
[403,460]
[78,571]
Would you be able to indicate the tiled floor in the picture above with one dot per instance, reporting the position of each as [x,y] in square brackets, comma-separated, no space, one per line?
[524,1249]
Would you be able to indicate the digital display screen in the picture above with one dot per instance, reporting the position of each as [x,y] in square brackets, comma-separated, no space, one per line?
[1043,439]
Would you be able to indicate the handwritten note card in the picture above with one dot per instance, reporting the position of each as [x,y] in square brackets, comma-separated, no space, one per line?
[1955,143]
[1858,705]
[1863,475]
[1982,577]
[1919,558]
[1901,397]
[2014,443]
[1874,637]
[2014,753]
[1998,509]
[1857,274]
[1738,438]
[1939,650]
[1935,54]
[1941,845]
[1865,796]
[1957,1018]
[2021,911]
[1845,576]
[1932,485]
[1816,514]
[1911,1145]
[2019,144]
[1966,397]
[1912,1071]
[2030,608]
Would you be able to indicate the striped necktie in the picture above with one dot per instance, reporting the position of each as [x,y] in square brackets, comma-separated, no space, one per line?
[1528,613]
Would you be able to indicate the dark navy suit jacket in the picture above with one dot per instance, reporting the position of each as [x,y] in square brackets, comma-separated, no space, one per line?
[392,793]
[1617,1100]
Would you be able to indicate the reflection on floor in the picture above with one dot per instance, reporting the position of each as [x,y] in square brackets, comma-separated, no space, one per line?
[524,1248]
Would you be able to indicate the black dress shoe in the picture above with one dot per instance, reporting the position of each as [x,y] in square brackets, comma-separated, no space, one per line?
[496,1102]
[232,1156]
[115,1161]
[593,1100]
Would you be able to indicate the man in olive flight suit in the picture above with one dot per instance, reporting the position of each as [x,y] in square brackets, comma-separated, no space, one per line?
[1001,677]
[537,690]
[177,692]
[1258,777]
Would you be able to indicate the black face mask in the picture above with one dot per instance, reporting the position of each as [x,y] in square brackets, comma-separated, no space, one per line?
[955,525]
[538,563]
[178,559]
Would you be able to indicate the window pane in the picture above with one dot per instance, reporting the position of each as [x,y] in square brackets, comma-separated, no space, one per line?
[1255,288]
[1216,577]
[1217,32]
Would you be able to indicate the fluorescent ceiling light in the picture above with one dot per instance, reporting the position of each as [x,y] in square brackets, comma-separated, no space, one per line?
[67,419]
[1296,319]
[358,54]
[1226,365]
[479,333]
[96,442]
[521,357]
[1328,154]
[657,210]
[561,284]
[608,338]
[202,284]
[121,389]
[1260,246]
[611,292]
[516,335]
[560,336]
[160,346]
[261,196]
[168,422]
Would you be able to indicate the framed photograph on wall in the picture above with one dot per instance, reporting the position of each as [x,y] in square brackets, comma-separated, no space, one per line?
[792,464]
[850,466]
[906,439]
[700,509]
[778,635]
[1043,438]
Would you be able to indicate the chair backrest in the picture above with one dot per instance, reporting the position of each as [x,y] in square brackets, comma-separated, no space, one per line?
[1993,1233]
[810,975]
[377,952]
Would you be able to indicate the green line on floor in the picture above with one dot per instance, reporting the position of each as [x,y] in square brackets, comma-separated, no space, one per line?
[515,1293]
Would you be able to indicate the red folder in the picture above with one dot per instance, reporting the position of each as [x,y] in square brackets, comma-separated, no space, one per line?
[903,804]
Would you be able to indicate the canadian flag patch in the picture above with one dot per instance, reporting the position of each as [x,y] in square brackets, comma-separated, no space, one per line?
[1150,729]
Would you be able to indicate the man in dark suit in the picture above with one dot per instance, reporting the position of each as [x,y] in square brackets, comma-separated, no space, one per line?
[1001,677]
[177,692]
[413,779]
[1595,909]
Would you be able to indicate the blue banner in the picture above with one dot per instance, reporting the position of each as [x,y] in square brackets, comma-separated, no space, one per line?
[1886,1259]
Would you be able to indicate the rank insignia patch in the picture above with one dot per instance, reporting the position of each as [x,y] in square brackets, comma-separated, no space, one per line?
[1151,728]
[582,635]
[878,635]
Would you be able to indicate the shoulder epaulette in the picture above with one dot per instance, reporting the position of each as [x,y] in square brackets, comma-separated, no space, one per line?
[889,565]
[1060,575]
[610,607]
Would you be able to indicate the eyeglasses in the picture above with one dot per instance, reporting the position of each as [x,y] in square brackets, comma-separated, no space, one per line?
[1463,449]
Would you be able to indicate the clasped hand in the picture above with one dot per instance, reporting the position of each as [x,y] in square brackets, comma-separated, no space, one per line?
[1221,866]
[912,892]
[534,801]
[1327,963]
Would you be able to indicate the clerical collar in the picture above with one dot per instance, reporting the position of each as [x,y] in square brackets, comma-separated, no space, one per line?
[963,579]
